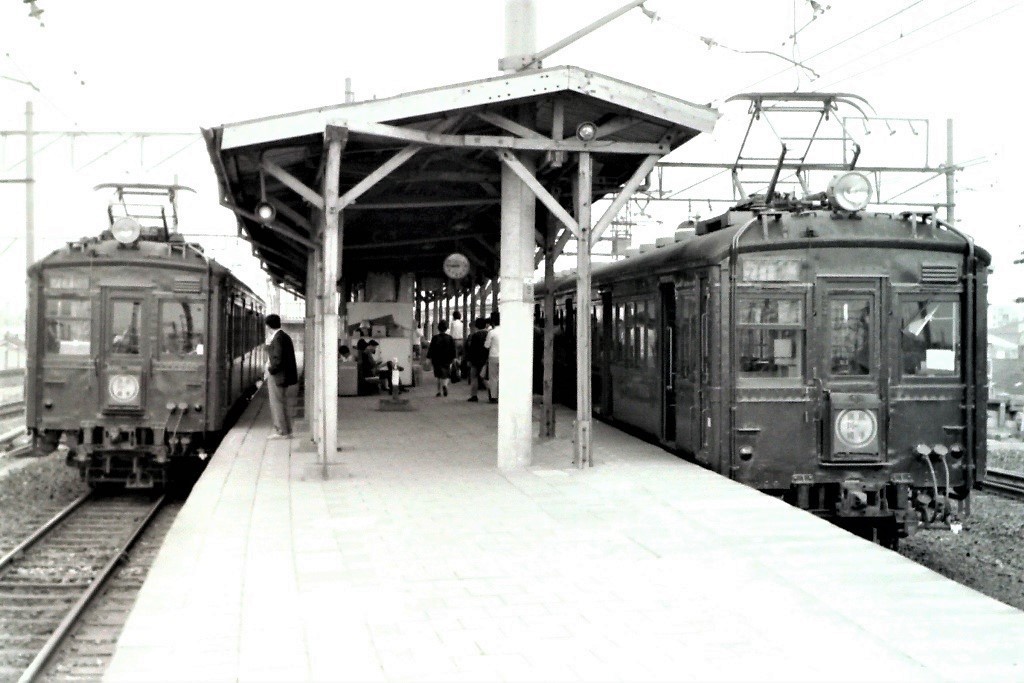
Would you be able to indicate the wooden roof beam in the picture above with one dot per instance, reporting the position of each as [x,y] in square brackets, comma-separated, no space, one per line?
[541,144]
[293,183]
[539,190]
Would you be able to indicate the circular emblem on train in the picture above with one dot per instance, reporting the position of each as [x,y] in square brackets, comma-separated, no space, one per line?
[856,428]
[123,388]
[456,266]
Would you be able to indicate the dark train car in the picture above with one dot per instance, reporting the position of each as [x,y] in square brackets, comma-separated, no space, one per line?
[824,354]
[139,349]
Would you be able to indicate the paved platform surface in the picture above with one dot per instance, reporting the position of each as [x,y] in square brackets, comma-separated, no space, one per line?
[418,560]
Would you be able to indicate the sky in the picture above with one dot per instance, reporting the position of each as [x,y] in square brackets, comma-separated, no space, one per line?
[160,66]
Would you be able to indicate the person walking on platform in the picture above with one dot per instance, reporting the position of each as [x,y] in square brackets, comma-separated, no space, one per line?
[476,354]
[458,332]
[280,373]
[493,343]
[441,354]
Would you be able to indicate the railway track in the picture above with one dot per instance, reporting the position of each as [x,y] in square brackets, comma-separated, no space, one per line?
[1005,482]
[49,579]
[12,409]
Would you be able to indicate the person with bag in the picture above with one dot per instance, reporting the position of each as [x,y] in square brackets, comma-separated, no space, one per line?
[441,354]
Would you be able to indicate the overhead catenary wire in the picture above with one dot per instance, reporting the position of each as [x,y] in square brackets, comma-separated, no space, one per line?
[712,43]
[831,47]
[928,44]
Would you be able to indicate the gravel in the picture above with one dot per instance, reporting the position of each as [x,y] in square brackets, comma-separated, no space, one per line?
[33,489]
[986,555]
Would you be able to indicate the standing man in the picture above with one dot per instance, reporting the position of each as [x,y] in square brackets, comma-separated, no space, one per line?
[493,343]
[280,373]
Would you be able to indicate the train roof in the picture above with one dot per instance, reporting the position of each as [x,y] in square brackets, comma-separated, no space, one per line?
[172,253]
[812,229]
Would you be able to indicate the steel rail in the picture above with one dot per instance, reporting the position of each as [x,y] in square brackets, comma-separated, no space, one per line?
[12,408]
[65,626]
[43,530]
[1005,482]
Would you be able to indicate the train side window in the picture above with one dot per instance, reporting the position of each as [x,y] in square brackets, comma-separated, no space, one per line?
[68,327]
[770,339]
[929,337]
[850,334]
[688,326]
[125,324]
[182,328]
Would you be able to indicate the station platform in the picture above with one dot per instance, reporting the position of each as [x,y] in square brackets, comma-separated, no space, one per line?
[418,560]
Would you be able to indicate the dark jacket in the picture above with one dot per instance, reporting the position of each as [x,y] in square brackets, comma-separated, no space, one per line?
[476,352]
[281,356]
[442,350]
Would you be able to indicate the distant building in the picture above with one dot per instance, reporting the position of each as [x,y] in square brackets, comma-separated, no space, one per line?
[1006,362]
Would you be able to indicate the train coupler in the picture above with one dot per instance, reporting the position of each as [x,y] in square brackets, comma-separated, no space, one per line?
[859,500]
[139,478]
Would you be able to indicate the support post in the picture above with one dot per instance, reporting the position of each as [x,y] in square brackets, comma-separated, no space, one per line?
[548,424]
[515,392]
[316,424]
[336,139]
[584,180]
[309,346]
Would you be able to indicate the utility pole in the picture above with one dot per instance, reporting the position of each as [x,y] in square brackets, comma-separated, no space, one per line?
[950,178]
[30,191]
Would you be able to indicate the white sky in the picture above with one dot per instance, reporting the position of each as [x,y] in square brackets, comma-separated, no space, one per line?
[177,66]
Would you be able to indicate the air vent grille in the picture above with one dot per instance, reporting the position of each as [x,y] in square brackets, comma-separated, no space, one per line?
[940,273]
[187,286]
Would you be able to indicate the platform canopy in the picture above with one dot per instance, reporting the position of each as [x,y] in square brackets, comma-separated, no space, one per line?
[421,171]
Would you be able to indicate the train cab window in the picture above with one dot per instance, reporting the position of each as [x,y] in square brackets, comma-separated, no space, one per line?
[770,333]
[182,328]
[850,334]
[929,337]
[125,324]
[68,327]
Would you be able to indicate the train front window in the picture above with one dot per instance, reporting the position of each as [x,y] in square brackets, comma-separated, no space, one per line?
[850,319]
[182,328]
[124,326]
[770,338]
[929,337]
[68,327]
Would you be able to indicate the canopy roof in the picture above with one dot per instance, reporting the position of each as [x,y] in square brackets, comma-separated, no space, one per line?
[428,159]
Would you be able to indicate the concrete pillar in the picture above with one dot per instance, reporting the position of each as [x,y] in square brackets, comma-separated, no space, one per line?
[520,27]
[515,409]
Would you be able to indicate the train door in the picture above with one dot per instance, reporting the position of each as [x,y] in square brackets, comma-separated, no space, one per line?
[852,370]
[607,330]
[669,364]
[707,377]
[687,353]
[125,349]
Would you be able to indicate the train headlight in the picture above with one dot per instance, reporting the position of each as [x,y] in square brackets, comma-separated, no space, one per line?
[123,388]
[126,230]
[849,191]
[856,428]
